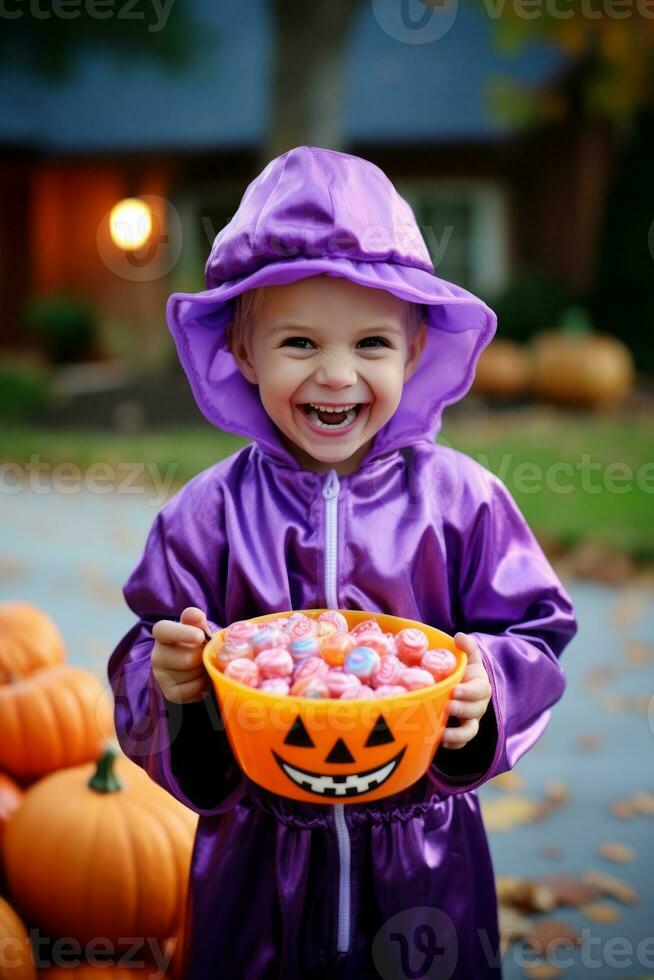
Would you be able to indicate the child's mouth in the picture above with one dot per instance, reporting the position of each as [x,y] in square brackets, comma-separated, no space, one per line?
[332,419]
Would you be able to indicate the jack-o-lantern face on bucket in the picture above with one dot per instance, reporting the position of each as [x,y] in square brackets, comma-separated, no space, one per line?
[330,781]
[322,750]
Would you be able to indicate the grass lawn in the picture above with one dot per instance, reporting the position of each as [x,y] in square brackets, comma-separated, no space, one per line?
[576,477]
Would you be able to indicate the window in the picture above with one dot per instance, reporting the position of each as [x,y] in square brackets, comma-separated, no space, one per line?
[464,225]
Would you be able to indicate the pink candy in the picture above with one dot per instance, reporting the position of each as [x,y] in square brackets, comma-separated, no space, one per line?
[363,693]
[339,682]
[411,644]
[242,630]
[300,626]
[389,690]
[275,685]
[389,670]
[367,626]
[311,667]
[310,686]
[245,671]
[276,662]
[414,678]
[334,618]
[233,650]
[439,663]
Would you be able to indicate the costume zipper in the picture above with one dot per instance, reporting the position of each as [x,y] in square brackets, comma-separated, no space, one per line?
[330,491]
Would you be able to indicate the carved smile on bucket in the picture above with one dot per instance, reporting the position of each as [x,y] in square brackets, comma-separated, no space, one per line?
[352,784]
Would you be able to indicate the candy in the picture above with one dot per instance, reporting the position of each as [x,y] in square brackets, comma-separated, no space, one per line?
[335,648]
[361,661]
[300,626]
[268,638]
[389,690]
[275,685]
[243,670]
[302,649]
[338,682]
[232,650]
[276,662]
[335,619]
[311,667]
[363,693]
[379,642]
[367,626]
[243,629]
[389,670]
[411,644]
[415,678]
[321,658]
[439,663]
[310,687]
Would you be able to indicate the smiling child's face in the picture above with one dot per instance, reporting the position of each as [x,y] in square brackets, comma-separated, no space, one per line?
[325,341]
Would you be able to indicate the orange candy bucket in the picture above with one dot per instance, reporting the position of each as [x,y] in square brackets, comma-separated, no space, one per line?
[282,742]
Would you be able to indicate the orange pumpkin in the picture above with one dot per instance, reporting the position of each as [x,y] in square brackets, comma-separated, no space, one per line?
[333,751]
[582,368]
[16,959]
[175,948]
[503,370]
[11,796]
[55,718]
[29,641]
[100,850]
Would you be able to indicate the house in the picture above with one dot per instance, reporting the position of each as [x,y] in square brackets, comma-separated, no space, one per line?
[487,198]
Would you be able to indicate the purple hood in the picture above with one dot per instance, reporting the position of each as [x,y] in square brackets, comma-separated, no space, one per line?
[313,211]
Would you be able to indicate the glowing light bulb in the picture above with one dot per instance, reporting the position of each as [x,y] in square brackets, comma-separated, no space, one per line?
[130,223]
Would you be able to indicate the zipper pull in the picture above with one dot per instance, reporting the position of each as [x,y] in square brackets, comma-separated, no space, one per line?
[331,486]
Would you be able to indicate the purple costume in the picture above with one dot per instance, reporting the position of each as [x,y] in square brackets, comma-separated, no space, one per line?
[403,886]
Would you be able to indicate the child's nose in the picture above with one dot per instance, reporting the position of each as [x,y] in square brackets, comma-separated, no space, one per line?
[337,372]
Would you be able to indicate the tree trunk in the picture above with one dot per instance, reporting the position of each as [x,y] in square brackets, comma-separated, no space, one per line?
[309,73]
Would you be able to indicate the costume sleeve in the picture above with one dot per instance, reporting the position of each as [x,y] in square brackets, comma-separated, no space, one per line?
[183,748]
[511,601]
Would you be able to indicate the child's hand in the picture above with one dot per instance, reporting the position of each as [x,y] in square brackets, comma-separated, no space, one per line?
[177,656]
[470,698]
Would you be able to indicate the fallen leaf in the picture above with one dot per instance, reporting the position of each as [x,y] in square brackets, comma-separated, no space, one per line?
[590,742]
[505,812]
[601,912]
[524,895]
[542,971]
[570,891]
[546,935]
[598,676]
[638,654]
[557,791]
[552,852]
[615,851]
[643,802]
[508,781]
[607,884]
[623,809]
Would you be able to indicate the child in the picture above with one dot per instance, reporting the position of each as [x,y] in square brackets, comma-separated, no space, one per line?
[357,510]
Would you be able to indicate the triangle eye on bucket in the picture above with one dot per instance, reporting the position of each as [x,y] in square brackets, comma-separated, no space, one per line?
[298,735]
[380,734]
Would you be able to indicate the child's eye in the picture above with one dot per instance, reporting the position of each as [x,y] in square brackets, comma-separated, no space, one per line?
[375,341]
[294,341]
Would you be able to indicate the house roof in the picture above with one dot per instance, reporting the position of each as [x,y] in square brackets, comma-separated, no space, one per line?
[394,91]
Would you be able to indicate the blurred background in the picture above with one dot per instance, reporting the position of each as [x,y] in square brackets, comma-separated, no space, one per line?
[522,134]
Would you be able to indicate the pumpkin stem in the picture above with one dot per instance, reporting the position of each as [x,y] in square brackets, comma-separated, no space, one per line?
[575,322]
[105,779]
